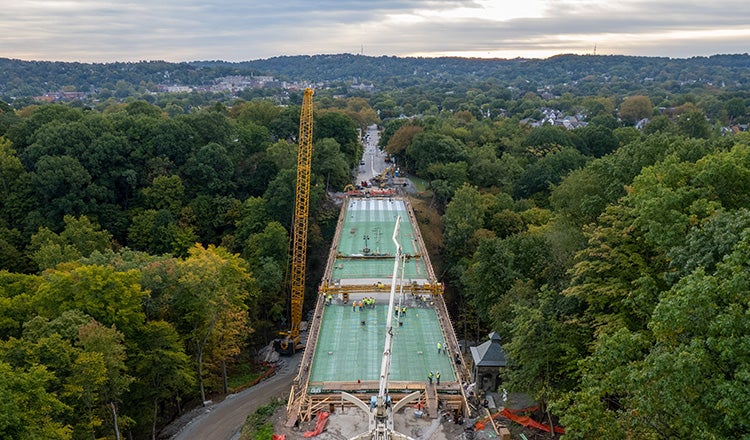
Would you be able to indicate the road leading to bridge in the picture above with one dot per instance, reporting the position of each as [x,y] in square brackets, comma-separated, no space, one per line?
[373,157]
[224,420]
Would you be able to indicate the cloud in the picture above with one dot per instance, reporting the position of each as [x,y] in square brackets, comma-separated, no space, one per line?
[235,30]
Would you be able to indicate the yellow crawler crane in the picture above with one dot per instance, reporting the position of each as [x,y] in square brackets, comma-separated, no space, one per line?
[291,341]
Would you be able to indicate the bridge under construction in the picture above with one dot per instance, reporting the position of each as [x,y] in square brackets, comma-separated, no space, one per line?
[379,290]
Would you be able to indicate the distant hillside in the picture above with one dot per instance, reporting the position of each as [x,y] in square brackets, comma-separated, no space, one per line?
[32,78]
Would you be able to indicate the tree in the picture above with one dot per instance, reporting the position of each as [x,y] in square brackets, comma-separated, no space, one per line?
[16,291]
[160,232]
[544,347]
[212,217]
[660,123]
[283,154]
[389,129]
[694,124]
[66,325]
[547,171]
[261,112]
[210,127]
[28,410]
[360,111]
[88,378]
[272,242]
[548,138]
[62,185]
[635,108]
[109,296]
[209,170]
[445,178]
[684,379]
[584,193]
[253,137]
[484,167]
[11,256]
[161,368]
[598,140]
[80,238]
[16,198]
[464,215]
[330,163]
[598,106]
[279,197]
[430,147]
[267,308]
[209,305]
[736,108]
[343,129]
[108,342]
[58,138]
[401,139]
[172,138]
[165,192]
[252,218]
[286,125]
[665,348]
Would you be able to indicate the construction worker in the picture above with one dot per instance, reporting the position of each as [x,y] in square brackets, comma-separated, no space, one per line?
[437,377]
[439,346]
[354,306]
[360,305]
[329,299]
[403,310]
[429,377]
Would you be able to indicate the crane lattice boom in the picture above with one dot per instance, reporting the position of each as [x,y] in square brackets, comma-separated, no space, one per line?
[301,208]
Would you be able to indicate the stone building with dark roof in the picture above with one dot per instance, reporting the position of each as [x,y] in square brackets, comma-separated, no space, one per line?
[488,358]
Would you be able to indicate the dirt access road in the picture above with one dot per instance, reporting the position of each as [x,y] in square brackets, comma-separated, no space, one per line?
[224,420]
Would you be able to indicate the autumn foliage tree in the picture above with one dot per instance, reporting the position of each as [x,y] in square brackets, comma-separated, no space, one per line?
[209,307]
[635,108]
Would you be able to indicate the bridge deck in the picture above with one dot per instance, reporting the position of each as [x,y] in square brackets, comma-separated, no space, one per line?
[345,346]
[365,248]
[346,350]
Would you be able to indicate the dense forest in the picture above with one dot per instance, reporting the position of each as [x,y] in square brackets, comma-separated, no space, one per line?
[576,74]
[143,238]
[109,309]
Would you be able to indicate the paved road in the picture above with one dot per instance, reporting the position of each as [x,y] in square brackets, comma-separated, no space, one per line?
[373,157]
[224,420]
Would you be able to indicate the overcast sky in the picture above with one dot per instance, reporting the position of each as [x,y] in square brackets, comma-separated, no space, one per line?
[239,30]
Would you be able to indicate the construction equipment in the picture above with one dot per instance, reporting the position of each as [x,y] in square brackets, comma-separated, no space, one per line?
[290,342]
[382,178]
